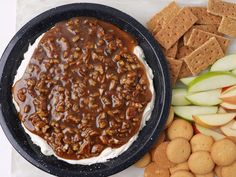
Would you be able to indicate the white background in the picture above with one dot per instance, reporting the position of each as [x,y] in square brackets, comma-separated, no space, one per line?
[7,30]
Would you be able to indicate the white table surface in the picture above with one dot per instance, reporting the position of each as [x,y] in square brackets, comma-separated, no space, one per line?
[7,17]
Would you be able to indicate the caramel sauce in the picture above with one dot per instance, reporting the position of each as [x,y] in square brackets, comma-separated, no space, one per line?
[83,90]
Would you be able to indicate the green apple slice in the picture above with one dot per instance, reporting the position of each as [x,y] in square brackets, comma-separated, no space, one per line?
[206,98]
[211,81]
[179,85]
[226,63]
[178,97]
[221,110]
[234,71]
[186,112]
[187,80]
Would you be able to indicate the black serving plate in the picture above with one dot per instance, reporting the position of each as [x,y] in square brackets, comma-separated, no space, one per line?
[13,56]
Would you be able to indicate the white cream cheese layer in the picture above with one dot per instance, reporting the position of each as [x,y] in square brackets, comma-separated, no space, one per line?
[107,153]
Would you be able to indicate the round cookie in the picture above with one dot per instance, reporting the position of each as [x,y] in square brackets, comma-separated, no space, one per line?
[144,161]
[200,162]
[178,150]
[159,140]
[179,167]
[154,170]
[232,138]
[206,175]
[218,170]
[180,129]
[200,142]
[229,171]
[170,117]
[182,173]
[160,157]
[223,152]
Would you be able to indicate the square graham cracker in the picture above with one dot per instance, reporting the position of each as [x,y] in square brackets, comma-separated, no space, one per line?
[204,56]
[199,37]
[156,22]
[208,28]
[172,51]
[228,26]
[205,18]
[183,52]
[184,71]
[176,28]
[174,68]
[222,8]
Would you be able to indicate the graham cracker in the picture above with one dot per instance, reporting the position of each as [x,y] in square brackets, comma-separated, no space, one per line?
[222,8]
[208,28]
[228,26]
[204,56]
[184,71]
[157,29]
[156,22]
[172,51]
[180,42]
[183,52]
[205,18]
[199,37]
[176,28]
[174,68]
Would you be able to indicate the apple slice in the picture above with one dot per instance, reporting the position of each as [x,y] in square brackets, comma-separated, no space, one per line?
[221,110]
[234,71]
[213,120]
[187,80]
[186,112]
[178,97]
[195,130]
[234,126]
[226,105]
[207,98]
[209,132]
[226,63]
[228,129]
[228,89]
[229,95]
[211,81]
[179,85]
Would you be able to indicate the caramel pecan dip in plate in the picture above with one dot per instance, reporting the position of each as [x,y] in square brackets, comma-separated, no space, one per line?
[84,91]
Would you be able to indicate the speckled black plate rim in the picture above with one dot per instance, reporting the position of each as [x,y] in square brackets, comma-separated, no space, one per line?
[9,64]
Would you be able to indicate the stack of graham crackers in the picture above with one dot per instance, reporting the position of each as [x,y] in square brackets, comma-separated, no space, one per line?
[192,38]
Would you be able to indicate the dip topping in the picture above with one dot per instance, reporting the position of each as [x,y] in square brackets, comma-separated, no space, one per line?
[83,90]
